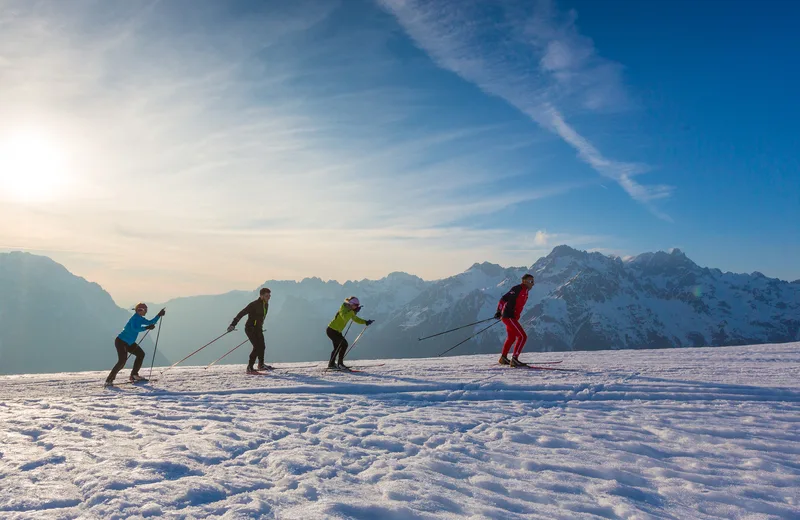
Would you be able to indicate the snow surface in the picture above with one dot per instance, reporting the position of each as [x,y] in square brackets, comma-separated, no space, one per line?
[659,434]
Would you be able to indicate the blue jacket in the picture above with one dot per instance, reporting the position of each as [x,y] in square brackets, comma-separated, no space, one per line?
[134,326]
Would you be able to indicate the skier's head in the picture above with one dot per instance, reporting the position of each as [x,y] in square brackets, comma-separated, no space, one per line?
[264,294]
[353,302]
[141,308]
[527,280]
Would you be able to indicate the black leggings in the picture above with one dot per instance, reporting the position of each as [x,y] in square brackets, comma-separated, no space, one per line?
[339,345]
[122,354]
[256,337]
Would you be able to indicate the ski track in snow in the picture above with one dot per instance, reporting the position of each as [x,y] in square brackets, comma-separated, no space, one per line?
[667,434]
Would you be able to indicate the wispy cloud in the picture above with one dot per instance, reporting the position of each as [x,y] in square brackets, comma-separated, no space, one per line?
[531,55]
[211,149]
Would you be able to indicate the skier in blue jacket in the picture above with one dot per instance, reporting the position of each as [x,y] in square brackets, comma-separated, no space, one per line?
[125,343]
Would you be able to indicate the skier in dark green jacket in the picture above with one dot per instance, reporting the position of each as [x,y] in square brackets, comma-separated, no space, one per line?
[254,328]
[346,312]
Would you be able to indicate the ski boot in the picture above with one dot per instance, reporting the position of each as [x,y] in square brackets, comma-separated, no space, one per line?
[516,363]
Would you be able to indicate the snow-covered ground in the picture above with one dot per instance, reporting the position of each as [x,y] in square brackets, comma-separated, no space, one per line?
[668,434]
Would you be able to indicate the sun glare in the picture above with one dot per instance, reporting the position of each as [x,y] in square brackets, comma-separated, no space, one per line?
[32,168]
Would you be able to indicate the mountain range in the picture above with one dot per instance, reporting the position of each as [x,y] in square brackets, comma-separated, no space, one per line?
[581,301]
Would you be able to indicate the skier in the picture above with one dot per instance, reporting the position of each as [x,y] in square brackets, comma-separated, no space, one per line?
[256,313]
[346,312]
[509,308]
[126,343]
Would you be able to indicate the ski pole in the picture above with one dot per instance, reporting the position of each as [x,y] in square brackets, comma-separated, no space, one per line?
[339,345]
[158,333]
[356,341]
[469,338]
[457,328]
[145,335]
[225,354]
[346,331]
[137,342]
[193,353]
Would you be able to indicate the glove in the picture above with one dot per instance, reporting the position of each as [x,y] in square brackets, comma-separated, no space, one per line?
[231,328]
[150,327]
[370,322]
[497,315]
[162,312]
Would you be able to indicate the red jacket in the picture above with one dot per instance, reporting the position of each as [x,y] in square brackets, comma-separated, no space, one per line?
[512,302]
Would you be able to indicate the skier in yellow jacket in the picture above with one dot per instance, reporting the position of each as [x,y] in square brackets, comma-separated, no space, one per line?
[346,312]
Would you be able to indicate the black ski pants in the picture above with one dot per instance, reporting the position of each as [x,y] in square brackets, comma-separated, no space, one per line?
[123,349]
[339,345]
[256,337]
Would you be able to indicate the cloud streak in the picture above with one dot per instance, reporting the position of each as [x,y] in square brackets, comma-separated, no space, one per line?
[533,57]
[220,147]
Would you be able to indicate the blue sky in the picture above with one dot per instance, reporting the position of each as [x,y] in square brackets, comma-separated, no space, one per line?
[198,147]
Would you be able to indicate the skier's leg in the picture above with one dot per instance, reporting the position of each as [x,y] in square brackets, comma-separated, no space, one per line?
[122,357]
[262,347]
[338,343]
[137,351]
[522,339]
[342,349]
[342,352]
[254,352]
[512,335]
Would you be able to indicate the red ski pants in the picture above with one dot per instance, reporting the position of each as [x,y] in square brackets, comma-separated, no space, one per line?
[515,335]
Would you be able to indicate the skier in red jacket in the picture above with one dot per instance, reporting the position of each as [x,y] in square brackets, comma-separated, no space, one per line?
[509,308]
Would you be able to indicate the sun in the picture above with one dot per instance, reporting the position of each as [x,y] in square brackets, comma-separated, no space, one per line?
[32,167]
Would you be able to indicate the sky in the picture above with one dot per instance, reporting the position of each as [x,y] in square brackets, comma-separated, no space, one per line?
[166,149]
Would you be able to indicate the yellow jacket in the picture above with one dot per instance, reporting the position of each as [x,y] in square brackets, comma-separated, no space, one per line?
[345,314]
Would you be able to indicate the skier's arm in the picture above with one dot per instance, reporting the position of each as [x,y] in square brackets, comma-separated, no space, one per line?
[510,296]
[142,323]
[241,314]
[359,320]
